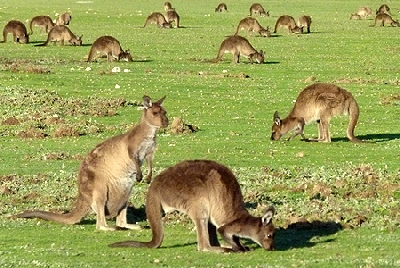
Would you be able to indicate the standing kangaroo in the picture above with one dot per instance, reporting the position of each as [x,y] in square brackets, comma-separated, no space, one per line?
[64,19]
[106,175]
[18,30]
[258,9]
[305,22]
[172,16]
[221,7]
[239,46]
[384,18]
[383,9]
[61,33]
[252,25]
[111,47]
[318,102]
[44,22]
[158,19]
[362,12]
[210,195]
[289,23]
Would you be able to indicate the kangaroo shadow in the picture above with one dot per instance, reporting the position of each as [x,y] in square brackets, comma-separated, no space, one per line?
[372,138]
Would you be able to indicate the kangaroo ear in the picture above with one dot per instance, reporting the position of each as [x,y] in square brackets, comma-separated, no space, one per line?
[147,103]
[268,215]
[128,51]
[277,118]
[160,101]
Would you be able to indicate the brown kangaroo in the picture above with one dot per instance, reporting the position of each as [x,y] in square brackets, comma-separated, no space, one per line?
[210,195]
[239,46]
[18,30]
[106,175]
[172,16]
[383,9]
[111,47]
[158,19]
[384,18]
[44,22]
[221,7]
[61,33]
[318,102]
[289,23]
[64,19]
[252,25]
[305,22]
[258,9]
[362,12]
[168,6]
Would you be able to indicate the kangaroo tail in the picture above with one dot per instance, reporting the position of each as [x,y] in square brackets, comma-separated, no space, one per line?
[153,213]
[354,113]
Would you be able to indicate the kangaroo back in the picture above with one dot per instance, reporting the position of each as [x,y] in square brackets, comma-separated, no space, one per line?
[62,34]
[221,7]
[44,22]
[18,30]
[157,19]
[287,22]
[239,46]
[258,9]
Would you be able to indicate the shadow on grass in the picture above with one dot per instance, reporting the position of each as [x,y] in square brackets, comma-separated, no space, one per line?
[372,138]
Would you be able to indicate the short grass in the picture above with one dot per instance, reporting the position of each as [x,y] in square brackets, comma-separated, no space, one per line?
[349,193]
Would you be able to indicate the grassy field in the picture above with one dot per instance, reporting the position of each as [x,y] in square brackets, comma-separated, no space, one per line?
[55,107]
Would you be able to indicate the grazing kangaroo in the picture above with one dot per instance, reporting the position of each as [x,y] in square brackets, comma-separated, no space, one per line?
[258,9]
[318,102]
[384,18]
[383,9]
[44,22]
[18,30]
[210,195]
[111,47]
[64,19]
[362,12]
[172,16]
[239,46]
[61,33]
[305,22]
[252,25]
[168,6]
[158,19]
[289,23]
[106,175]
[221,7]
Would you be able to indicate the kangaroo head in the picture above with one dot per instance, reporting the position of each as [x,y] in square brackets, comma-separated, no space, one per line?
[126,55]
[24,39]
[154,113]
[266,233]
[276,127]
[258,57]
[76,41]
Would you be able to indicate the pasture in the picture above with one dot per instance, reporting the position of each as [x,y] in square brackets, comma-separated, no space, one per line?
[337,204]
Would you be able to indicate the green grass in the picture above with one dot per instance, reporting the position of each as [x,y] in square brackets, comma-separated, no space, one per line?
[340,183]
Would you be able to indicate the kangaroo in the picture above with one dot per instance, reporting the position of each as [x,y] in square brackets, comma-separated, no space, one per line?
[355,17]
[363,12]
[210,195]
[252,25]
[384,18]
[289,23]
[61,33]
[239,46]
[18,30]
[172,16]
[106,175]
[168,6]
[158,19]
[64,19]
[111,47]
[383,9]
[258,9]
[305,22]
[318,102]
[221,7]
[44,22]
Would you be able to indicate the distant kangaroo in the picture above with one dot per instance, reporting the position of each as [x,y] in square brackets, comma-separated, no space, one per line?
[384,18]
[210,195]
[61,33]
[44,22]
[305,22]
[111,47]
[158,19]
[168,6]
[318,102]
[289,23]
[258,9]
[172,16]
[362,12]
[239,46]
[107,174]
[18,30]
[252,25]
[221,7]
[64,19]
[383,9]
